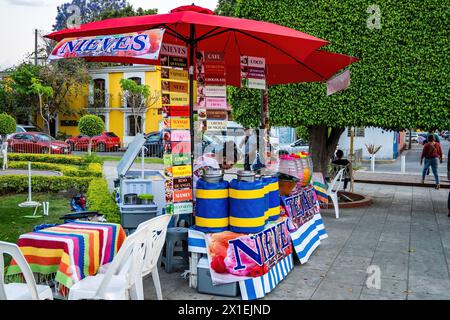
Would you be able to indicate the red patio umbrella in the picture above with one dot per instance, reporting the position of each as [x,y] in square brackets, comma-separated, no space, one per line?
[291,56]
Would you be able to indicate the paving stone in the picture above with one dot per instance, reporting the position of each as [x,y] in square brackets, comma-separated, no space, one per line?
[389,290]
[349,275]
[360,250]
[427,296]
[329,290]
[352,261]
[429,285]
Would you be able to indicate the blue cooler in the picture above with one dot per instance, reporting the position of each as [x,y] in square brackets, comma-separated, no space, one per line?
[273,197]
[211,208]
[247,206]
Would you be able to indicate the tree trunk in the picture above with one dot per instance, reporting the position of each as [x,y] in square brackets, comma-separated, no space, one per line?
[90,146]
[322,145]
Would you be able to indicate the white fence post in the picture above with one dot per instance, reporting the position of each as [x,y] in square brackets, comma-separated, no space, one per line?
[403,164]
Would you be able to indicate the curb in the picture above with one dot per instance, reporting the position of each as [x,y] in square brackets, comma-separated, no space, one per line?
[405,184]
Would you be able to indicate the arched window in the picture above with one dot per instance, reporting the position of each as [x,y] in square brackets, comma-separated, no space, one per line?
[99,93]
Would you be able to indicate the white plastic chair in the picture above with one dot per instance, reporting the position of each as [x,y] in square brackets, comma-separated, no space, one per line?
[136,258]
[333,188]
[20,291]
[118,283]
[156,230]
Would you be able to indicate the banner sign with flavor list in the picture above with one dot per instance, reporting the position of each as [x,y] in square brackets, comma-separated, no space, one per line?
[179,123]
[175,111]
[174,74]
[215,125]
[182,183]
[175,62]
[173,50]
[180,135]
[183,208]
[181,147]
[182,171]
[176,99]
[253,72]
[217,114]
[171,86]
[176,115]
[216,103]
[140,45]
[182,195]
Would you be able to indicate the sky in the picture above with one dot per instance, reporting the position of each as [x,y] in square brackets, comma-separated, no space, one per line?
[19,19]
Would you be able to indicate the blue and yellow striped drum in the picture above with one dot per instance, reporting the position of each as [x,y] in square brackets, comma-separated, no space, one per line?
[274,197]
[247,205]
[211,208]
[265,183]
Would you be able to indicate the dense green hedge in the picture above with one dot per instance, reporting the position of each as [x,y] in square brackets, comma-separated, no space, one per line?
[401,82]
[91,170]
[53,158]
[19,183]
[99,199]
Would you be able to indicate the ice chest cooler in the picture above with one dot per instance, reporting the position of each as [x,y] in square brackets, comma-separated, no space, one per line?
[133,215]
[205,285]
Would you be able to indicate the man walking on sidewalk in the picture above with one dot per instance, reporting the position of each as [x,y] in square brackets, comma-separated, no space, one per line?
[432,153]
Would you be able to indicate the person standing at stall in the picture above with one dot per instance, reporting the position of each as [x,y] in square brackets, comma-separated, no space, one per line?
[249,144]
[432,153]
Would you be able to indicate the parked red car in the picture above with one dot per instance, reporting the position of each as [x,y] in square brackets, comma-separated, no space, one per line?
[36,142]
[107,141]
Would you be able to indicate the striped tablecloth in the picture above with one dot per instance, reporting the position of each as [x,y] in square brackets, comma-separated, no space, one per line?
[69,252]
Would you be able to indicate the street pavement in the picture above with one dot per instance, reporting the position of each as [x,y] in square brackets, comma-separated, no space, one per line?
[412,161]
[405,233]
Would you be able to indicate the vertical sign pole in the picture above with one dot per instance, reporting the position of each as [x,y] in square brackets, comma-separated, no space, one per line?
[191,65]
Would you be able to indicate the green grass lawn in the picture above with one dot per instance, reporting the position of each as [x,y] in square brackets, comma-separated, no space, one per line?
[12,221]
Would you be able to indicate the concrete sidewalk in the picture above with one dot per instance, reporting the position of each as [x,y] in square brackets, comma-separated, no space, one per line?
[405,233]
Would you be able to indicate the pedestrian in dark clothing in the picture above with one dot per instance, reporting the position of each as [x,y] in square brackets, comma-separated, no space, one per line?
[432,153]
[342,162]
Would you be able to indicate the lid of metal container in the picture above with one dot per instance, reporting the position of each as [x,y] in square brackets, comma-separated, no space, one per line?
[212,173]
[245,173]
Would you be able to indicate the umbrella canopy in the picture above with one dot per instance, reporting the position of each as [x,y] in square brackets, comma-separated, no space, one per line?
[291,56]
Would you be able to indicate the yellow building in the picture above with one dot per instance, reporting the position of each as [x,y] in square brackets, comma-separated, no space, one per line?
[104,98]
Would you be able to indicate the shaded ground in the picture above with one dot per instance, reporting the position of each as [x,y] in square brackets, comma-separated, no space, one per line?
[406,233]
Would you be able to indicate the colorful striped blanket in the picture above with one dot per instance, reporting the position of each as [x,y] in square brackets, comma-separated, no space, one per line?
[69,252]
[321,187]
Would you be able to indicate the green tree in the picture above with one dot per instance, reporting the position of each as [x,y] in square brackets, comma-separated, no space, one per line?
[44,93]
[402,80]
[68,79]
[91,125]
[128,11]
[139,98]
[225,7]
[7,125]
[19,99]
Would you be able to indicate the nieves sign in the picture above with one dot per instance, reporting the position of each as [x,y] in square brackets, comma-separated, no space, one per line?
[141,45]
